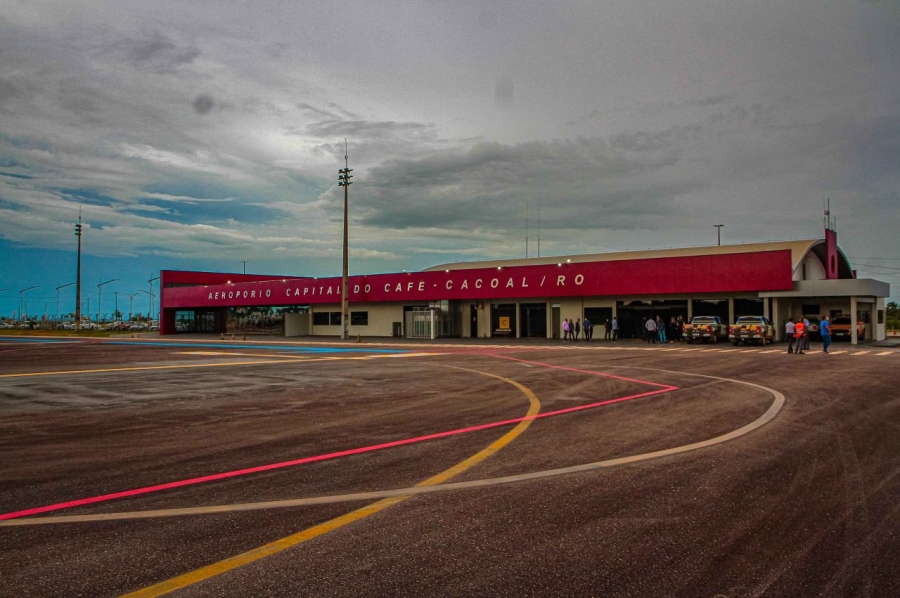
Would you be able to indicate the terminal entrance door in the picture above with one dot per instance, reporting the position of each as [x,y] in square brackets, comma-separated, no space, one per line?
[534,320]
[631,315]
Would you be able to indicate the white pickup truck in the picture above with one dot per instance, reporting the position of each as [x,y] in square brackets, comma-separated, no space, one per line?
[709,329]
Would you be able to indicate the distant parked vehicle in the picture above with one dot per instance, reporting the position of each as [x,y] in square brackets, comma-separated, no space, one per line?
[756,329]
[840,329]
[814,332]
[710,329]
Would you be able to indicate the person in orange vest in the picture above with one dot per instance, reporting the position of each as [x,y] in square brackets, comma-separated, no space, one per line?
[799,334]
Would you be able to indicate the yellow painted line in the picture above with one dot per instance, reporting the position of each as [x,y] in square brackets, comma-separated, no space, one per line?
[223,566]
[860,353]
[885,353]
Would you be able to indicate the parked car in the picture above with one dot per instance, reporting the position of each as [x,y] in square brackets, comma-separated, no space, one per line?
[756,329]
[814,332]
[706,328]
[6,326]
[840,328]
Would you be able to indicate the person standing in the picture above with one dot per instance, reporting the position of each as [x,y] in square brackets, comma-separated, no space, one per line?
[650,325]
[614,327]
[825,330]
[565,329]
[789,331]
[577,329]
[661,329]
[588,329]
[800,335]
[607,327]
[805,333]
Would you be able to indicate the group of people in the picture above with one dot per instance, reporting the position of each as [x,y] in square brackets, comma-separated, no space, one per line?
[657,329]
[799,333]
[572,329]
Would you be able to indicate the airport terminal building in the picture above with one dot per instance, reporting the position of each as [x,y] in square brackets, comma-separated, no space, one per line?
[530,297]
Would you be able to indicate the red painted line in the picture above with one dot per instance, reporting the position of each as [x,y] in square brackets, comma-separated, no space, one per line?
[345,453]
[579,371]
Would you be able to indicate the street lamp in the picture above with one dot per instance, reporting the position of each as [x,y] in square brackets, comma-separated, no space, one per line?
[150,315]
[245,265]
[100,296]
[131,297]
[21,293]
[344,177]
[57,298]
[718,233]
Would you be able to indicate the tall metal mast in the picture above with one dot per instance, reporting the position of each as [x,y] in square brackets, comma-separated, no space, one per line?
[78,276]
[344,177]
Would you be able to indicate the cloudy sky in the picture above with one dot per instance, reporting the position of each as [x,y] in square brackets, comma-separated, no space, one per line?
[197,135]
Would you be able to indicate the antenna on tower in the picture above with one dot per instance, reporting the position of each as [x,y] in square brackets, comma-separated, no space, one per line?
[526,229]
[539,230]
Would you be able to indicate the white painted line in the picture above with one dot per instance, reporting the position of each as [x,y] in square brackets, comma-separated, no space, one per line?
[836,352]
[885,353]
[860,353]
[770,414]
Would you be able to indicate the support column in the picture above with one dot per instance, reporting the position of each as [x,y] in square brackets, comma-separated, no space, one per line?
[776,320]
[731,310]
[518,320]
[854,338]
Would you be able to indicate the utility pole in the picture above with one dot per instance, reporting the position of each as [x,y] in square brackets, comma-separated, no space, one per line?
[78,276]
[718,233]
[344,177]
[245,265]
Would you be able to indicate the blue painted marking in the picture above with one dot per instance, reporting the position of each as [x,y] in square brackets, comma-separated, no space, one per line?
[290,348]
[286,348]
[13,339]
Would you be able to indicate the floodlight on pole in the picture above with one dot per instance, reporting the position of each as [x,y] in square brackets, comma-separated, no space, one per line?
[344,177]
[100,295]
[718,233]
[78,229]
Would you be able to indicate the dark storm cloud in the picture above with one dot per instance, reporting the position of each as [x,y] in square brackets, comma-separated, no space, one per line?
[489,185]
[203,103]
[156,53]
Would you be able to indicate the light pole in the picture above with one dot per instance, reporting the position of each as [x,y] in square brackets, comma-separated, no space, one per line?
[57,298]
[245,265]
[718,233]
[131,297]
[100,296]
[78,276]
[150,315]
[344,181]
[21,293]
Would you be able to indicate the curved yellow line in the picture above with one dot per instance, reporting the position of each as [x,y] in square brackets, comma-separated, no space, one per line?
[255,554]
